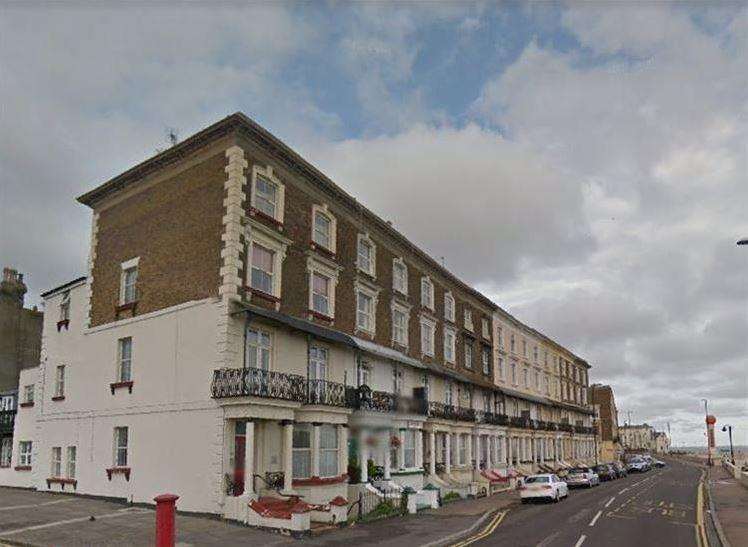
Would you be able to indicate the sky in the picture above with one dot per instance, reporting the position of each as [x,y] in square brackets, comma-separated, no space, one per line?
[583,165]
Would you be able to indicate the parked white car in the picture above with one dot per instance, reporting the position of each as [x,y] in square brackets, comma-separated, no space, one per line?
[582,476]
[546,486]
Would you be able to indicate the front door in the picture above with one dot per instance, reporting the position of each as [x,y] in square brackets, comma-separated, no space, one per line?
[239,452]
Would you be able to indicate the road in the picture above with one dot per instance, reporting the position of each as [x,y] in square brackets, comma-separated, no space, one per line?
[655,508]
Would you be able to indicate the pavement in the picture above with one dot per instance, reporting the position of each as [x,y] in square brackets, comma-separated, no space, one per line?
[731,502]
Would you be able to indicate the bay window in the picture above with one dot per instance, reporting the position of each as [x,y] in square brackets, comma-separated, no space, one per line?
[328,451]
[409,438]
[302,451]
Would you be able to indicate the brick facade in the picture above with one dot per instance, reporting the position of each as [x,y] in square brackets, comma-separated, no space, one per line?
[174,226]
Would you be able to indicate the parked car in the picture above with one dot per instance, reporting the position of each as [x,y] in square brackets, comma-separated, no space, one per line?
[582,476]
[606,472]
[621,470]
[658,463]
[637,465]
[546,486]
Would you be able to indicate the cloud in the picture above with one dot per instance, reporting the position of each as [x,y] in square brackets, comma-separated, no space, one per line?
[466,194]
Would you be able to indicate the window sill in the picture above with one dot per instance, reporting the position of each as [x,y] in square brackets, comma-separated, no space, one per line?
[22,468]
[62,482]
[121,385]
[263,216]
[323,250]
[321,316]
[27,404]
[63,323]
[125,307]
[118,471]
[262,294]
[58,398]
[320,481]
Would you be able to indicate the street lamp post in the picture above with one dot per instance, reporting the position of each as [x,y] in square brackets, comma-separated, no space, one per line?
[728,428]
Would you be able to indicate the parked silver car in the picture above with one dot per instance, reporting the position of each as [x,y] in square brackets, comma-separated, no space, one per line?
[582,476]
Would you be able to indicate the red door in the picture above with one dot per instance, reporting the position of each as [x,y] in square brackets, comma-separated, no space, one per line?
[239,449]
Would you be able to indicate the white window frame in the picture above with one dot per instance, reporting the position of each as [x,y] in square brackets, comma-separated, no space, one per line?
[400,338]
[126,267]
[302,451]
[261,235]
[468,354]
[6,451]
[65,306]
[119,447]
[449,307]
[431,326]
[500,337]
[55,460]
[280,191]
[329,452]
[29,393]
[485,328]
[513,368]
[400,263]
[332,235]
[525,378]
[449,394]
[326,269]
[427,287]
[258,348]
[25,449]
[468,314]
[450,345]
[363,374]
[60,381]
[366,240]
[500,368]
[71,457]
[485,357]
[361,287]
[121,361]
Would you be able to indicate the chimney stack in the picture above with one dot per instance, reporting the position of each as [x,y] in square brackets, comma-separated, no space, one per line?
[12,287]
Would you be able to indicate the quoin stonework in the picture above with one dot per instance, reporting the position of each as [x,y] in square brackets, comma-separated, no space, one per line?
[247,329]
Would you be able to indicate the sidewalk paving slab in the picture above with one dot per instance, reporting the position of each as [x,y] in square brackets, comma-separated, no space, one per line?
[731,501]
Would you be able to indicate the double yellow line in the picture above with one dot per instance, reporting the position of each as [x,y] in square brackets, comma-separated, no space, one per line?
[701,538]
[487,531]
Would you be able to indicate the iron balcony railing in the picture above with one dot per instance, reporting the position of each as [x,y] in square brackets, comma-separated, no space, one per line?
[7,419]
[243,382]
[451,412]
[322,392]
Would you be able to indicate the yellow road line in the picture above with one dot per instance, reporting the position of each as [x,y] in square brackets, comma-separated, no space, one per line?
[487,531]
[701,538]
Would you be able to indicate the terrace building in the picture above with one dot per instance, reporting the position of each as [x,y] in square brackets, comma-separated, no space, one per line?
[609,440]
[248,332]
[638,438]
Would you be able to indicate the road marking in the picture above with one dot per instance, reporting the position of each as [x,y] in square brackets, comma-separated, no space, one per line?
[120,513]
[622,491]
[594,520]
[581,540]
[487,531]
[610,501]
[30,506]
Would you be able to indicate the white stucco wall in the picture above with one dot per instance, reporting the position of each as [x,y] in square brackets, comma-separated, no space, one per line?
[24,429]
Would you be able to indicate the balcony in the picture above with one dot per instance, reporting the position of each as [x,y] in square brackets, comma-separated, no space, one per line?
[491,418]
[256,382]
[7,419]
[450,412]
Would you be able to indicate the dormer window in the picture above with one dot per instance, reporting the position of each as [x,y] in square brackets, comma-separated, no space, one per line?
[449,307]
[323,228]
[366,255]
[427,293]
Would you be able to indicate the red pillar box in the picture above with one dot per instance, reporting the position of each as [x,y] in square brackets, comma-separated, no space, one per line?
[165,509]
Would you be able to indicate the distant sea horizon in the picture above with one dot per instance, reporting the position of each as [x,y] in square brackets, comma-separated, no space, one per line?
[702,449]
